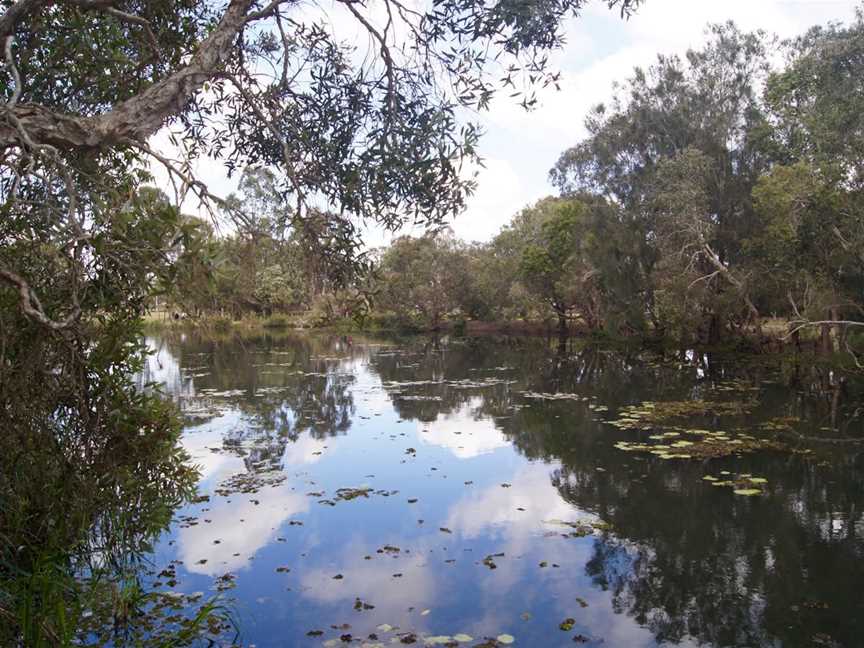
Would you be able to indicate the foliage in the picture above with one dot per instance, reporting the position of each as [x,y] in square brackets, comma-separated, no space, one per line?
[711,191]
[423,279]
[745,202]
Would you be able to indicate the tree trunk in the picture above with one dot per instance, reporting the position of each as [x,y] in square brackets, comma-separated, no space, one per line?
[562,324]
[825,337]
[836,331]
[714,330]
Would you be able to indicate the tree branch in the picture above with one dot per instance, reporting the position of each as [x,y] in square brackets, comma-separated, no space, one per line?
[32,307]
[140,116]
[821,323]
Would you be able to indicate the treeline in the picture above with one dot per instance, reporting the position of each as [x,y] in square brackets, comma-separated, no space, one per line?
[265,261]
[713,191]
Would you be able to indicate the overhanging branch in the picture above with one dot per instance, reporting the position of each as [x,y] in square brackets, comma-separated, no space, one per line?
[136,118]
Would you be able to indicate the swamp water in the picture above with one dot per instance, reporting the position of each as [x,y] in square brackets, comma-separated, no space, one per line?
[481,491]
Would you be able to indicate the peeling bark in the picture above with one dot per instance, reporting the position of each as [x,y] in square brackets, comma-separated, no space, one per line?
[136,118]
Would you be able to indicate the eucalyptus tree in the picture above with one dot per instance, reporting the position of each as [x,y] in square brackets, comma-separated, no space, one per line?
[579,256]
[554,265]
[424,279]
[816,199]
[817,101]
[704,108]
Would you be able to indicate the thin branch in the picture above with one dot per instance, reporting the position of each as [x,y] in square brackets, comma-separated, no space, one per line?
[821,323]
[32,307]
[107,7]
[389,65]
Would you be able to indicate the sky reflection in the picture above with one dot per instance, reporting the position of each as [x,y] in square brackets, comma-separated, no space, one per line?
[349,485]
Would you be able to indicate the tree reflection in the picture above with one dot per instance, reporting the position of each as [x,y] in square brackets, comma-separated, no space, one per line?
[85,488]
[684,559]
[282,386]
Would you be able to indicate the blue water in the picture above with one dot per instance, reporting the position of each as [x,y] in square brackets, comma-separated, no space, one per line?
[491,512]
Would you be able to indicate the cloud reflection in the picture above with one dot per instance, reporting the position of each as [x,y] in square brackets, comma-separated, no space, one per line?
[241,528]
[461,432]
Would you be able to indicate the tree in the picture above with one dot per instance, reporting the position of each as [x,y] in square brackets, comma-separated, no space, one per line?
[690,274]
[817,101]
[374,137]
[559,265]
[815,200]
[809,248]
[679,150]
[423,279]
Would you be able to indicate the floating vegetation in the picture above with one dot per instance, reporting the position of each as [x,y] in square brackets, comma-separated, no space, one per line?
[651,414]
[417,397]
[580,528]
[199,412]
[396,384]
[361,605]
[554,396]
[249,483]
[743,484]
[735,386]
[163,618]
[348,494]
[703,444]
[779,424]
[670,441]
[409,638]
[478,384]
[489,561]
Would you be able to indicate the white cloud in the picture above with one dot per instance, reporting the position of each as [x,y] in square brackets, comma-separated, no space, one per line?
[496,508]
[198,441]
[306,450]
[241,526]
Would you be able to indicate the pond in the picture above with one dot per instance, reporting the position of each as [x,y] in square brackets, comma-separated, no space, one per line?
[480,491]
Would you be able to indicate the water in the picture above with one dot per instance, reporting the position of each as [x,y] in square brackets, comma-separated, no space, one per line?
[483,506]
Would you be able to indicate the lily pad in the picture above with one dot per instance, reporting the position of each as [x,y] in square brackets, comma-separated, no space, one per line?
[747,491]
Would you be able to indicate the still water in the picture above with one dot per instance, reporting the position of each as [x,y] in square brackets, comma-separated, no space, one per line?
[461,491]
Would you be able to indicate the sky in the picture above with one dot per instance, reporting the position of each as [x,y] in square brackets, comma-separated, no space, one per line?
[520,147]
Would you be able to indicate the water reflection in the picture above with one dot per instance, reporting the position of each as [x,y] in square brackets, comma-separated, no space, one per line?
[465,431]
[474,487]
[89,480]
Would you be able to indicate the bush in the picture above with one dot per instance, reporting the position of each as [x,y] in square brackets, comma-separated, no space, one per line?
[220,323]
[276,321]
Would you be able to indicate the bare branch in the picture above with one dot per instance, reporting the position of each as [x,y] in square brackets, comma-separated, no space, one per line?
[807,324]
